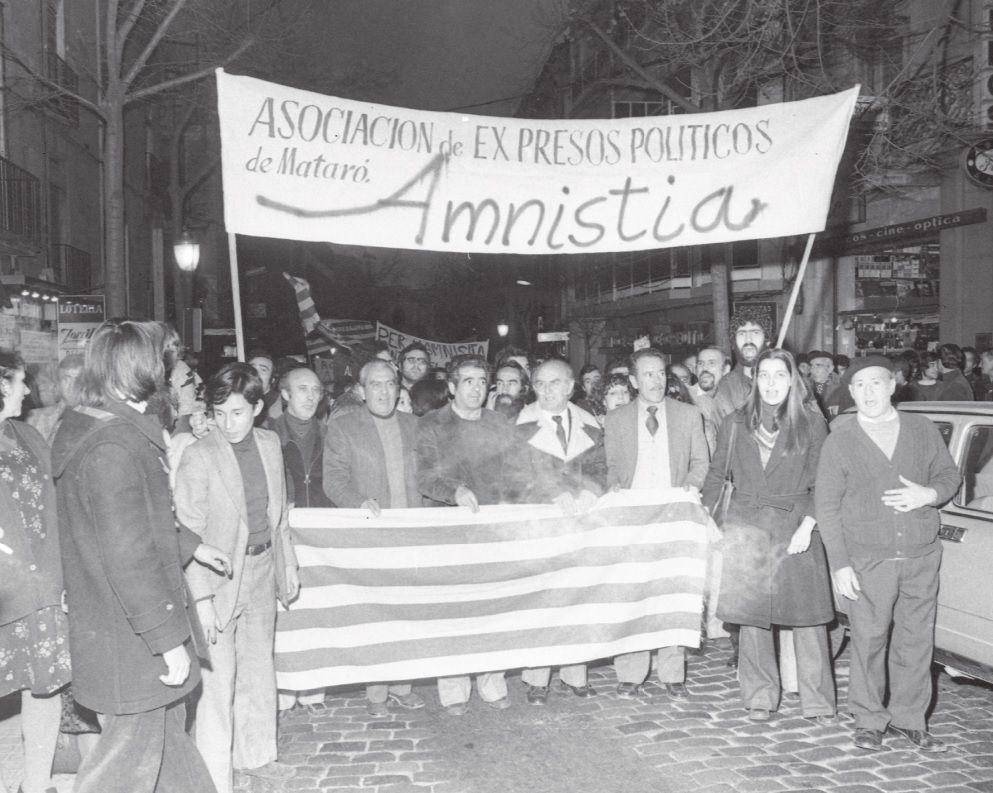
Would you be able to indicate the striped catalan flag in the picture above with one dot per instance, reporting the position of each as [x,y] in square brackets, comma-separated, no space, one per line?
[305,303]
[424,593]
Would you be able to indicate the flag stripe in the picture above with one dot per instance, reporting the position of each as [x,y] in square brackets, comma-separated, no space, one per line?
[444,593]
[306,616]
[322,587]
[601,543]
[378,533]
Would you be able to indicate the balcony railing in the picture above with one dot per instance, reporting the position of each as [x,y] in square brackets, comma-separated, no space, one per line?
[20,205]
[72,267]
[60,73]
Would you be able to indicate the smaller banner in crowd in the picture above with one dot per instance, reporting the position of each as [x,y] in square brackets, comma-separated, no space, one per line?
[424,593]
[78,318]
[441,352]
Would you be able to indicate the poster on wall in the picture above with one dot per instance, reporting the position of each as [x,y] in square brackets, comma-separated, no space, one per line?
[37,346]
[79,317]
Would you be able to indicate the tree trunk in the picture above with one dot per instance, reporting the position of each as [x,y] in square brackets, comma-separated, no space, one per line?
[722,298]
[115,266]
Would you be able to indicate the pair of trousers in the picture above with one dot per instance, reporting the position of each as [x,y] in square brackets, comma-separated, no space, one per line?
[146,752]
[573,675]
[634,667]
[902,593]
[236,715]
[456,690]
[287,699]
[759,672]
[380,691]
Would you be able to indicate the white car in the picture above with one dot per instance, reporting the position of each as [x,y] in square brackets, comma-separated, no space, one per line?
[964,631]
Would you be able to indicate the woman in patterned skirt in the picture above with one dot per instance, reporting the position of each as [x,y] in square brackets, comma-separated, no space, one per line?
[34,645]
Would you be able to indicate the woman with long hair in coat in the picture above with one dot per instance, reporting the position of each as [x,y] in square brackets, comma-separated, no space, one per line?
[775,571]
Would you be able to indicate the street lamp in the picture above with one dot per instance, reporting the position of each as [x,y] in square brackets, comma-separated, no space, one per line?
[187,252]
[503,329]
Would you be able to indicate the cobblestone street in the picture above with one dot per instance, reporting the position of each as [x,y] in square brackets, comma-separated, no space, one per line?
[703,744]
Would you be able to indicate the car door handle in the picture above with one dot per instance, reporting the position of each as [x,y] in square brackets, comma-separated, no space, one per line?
[951,533]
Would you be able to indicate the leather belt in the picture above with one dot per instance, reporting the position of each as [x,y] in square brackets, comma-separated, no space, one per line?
[255,550]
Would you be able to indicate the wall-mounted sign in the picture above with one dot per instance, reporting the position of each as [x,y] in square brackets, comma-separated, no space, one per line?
[979,162]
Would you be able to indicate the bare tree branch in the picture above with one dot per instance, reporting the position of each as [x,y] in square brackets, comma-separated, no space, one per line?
[632,64]
[153,43]
[127,25]
[175,82]
[10,55]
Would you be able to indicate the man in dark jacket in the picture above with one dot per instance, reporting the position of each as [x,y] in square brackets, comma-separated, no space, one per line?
[369,464]
[954,386]
[132,624]
[302,437]
[468,456]
[880,481]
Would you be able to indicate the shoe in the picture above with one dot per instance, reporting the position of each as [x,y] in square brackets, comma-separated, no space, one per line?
[732,662]
[499,704]
[537,695]
[458,709]
[409,701]
[582,691]
[676,690]
[378,709]
[316,708]
[869,740]
[826,719]
[628,690]
[759,714]
[922,739]
[271,770]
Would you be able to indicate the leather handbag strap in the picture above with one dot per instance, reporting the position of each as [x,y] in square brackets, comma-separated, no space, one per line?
[727,462]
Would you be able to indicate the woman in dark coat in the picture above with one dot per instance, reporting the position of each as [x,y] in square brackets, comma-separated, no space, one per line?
[775,572]
[34,635]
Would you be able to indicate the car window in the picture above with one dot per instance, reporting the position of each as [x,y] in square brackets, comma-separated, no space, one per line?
[977,471]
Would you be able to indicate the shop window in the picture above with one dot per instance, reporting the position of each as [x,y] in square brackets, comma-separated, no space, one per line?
[977,471]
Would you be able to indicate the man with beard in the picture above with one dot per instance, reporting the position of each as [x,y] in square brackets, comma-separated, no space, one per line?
[750,334]
[415,361]
[468,456]
[710,365]
[369,464]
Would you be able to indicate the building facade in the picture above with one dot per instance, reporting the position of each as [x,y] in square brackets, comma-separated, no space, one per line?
[904,260]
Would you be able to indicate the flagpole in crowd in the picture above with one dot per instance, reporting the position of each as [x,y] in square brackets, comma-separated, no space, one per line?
[239,330]
[797,285]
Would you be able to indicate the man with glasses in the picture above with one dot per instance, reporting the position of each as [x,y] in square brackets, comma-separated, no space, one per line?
[415,362]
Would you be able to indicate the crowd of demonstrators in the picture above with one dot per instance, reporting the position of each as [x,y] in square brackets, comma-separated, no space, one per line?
[173,549]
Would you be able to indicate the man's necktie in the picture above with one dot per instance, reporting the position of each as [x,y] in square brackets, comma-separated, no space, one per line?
[652,421]
[560,433]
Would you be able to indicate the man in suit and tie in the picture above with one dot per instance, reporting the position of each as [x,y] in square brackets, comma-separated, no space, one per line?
[369,464]
[231,490]
[654,442]
[565,444]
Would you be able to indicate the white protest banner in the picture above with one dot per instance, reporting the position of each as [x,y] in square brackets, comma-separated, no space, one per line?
[441,352]
[300,165]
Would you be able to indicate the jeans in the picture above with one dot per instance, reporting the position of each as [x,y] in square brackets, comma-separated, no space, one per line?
[759,675]
[146,752]
[492,686]
[236,716]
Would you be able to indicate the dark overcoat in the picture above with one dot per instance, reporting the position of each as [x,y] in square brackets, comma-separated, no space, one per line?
[761,584]
[123,556]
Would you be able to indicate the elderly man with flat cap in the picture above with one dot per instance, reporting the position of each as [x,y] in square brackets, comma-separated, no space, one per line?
[881,478]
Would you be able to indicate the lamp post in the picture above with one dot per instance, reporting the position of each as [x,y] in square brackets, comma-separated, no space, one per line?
[186,250]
